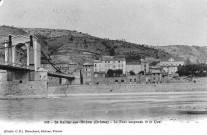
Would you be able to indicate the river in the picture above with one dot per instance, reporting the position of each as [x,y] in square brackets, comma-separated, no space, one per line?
[173,106]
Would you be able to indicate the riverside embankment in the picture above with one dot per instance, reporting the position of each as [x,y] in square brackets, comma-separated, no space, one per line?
[40,90]
[126,88]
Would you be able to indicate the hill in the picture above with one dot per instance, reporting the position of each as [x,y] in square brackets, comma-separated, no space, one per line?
[72,46]
[194,53]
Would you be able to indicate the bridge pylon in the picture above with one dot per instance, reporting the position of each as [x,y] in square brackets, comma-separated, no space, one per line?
[22,63]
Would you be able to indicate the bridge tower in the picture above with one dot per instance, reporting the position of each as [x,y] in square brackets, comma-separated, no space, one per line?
[22,67]
[24,54]
[17,45]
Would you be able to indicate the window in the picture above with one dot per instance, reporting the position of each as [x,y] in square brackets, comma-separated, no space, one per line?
[116,81]
[135,80]
[122,80]
[130,80]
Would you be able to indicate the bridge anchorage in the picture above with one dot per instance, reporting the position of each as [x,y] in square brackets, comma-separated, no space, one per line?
[20,67]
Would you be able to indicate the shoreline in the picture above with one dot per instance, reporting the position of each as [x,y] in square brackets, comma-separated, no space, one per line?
[99,90]
[97,94]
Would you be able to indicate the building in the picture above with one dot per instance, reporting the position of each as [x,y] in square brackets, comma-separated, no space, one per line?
[116,80]
[50,68]
[88,73]
[135,67]
[67,68]
[171,66]
[75,70]
[114,63]
[99,77]
[144,66]
[109,62]
[154,75]
[155,69]
[98,66]
[133,79]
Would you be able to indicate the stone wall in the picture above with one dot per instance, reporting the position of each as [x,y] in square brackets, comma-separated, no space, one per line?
[39,88]
[3,75]
[23,88]
[127,88]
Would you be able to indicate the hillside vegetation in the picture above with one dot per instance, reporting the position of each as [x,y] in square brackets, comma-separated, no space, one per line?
[196,54]
[69,46]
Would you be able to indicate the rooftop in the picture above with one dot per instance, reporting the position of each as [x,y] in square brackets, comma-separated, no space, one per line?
[99,72]
[155,67]
[133,63]
[171,60]
[114,59]
[88,64]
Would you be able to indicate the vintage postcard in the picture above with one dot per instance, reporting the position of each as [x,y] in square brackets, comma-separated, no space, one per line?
[111,67]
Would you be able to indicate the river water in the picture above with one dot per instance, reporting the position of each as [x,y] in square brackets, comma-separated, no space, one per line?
[163,106]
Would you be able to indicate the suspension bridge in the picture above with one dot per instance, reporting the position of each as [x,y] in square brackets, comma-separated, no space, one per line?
[21,55]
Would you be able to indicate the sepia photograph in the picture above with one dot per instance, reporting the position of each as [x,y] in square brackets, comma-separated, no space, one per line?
[111,67]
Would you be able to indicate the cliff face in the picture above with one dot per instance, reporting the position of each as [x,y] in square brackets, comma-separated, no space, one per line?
[67,45]
[194,53]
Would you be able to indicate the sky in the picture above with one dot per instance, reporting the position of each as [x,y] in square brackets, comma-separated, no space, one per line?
[152,22]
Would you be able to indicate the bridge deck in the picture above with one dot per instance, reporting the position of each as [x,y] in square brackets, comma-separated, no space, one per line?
[60,75]
[13,68]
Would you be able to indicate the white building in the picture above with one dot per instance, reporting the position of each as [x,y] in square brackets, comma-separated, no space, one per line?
[136,68]
[109,62]
[171,66]
[98,66]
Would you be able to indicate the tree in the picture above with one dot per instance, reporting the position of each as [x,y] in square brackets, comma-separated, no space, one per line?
[141,72]
[112,52]
[84,41]
[110,73]
[196,70]
[132,72]
[85,44]
[156,54]
[114,73]
[154,63]
[71,38]
[118,72]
